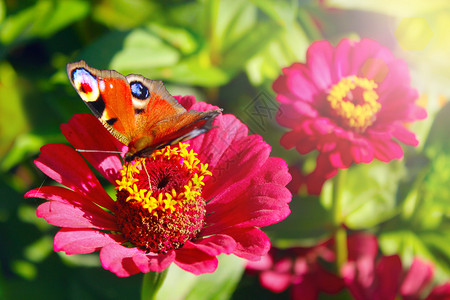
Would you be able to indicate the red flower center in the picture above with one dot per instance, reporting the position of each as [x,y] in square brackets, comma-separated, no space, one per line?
[160,206]
[353,101]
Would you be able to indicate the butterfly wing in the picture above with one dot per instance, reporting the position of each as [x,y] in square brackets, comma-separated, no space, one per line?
[161,117]
[108,95]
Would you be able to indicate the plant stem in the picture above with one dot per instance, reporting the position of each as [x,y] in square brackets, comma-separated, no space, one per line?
[151,283]
[340,236]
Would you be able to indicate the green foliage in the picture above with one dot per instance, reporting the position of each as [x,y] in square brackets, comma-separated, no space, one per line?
[228,52]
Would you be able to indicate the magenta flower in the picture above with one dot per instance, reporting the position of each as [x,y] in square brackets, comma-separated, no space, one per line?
[369,277]
[350,103]
[176,206]
[300,269]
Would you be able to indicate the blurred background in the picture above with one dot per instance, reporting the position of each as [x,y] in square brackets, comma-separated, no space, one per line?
[227,53]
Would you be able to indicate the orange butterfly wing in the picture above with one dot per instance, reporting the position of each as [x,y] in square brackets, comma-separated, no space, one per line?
[138,111]
[108,96]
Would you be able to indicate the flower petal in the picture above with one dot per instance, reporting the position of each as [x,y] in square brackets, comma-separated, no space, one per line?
[85,132]
[215,146]
[81,241]
[67,208]
[124,261]
[416,280]
[319,58]
[241,160]
[64,165]
[192,259]
[405,136]
[252,243]
[216,244]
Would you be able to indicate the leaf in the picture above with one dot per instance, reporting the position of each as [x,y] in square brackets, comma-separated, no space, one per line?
[219,285]
[256,39]
[433,246]
[125,14]
[308,224]
[13,120]
[130,52]
[395,8]
[283,12]
[290,46]
[369,192]
[42,20]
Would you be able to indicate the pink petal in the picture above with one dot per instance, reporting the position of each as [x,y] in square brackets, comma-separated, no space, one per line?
[81,241]
[70,209]
[124,261]
[298,81]
[319,58]
[85,132]
[441,292]
[186,101]
[362,245]
[219,142]
[252,243]
[405,136]
[239,161]
[64,165]
[387,150]
[275,281]
[389,273]
[341,60]
[216,244]
[255,205]
[192,259]
[418,277]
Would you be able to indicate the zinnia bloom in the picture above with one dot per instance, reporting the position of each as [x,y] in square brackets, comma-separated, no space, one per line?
[350,103]
[185,204]
[298,268]
[370,277]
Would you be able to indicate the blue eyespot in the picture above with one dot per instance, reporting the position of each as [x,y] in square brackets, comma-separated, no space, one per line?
[139,90]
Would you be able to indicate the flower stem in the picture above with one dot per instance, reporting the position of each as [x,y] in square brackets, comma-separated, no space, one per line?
[340,236]
[151,284]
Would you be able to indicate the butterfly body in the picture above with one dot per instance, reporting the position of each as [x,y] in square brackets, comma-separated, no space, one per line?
[137,111]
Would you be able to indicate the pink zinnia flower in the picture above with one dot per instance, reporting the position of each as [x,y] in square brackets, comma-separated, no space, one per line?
[173,207]
[349,102]
[368,276]
[298,268]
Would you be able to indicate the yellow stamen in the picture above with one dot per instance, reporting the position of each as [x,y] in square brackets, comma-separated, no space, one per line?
[355,113]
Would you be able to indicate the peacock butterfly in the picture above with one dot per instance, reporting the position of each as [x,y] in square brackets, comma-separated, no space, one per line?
[137,111]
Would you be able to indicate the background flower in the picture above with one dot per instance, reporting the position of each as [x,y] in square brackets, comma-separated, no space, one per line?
[349,102]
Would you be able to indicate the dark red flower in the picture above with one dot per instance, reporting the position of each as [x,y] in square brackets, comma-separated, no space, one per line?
[300,269]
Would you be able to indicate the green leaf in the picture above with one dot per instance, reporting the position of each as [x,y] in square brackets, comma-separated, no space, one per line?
[289,47]
[283,12]
[219,285]
[369,193]
[42,20]
[249,45]
[125,14]
[308,224]
[130,52]
[433,246]
[13,120]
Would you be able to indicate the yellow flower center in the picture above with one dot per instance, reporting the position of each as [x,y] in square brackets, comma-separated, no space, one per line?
[159,199]
[354,101]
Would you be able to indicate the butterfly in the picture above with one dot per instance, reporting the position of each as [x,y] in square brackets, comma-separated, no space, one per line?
[137,111]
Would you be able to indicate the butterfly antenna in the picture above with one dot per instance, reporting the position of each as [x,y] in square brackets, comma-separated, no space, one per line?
[98,151]
[148,176]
